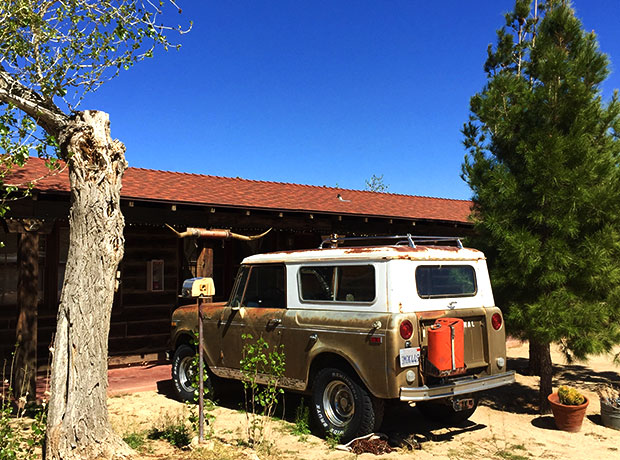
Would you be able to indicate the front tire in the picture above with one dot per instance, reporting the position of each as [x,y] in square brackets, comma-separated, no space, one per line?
[183,372]
[343,407]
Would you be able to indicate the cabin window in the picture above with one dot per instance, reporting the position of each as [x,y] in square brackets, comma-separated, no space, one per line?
[339,283]
[9,269]
[436,281]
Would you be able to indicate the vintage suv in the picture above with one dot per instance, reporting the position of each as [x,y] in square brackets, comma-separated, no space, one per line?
[412,321]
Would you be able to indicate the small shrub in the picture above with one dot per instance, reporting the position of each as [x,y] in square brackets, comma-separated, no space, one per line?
[260,365]
[570,396]
[135,440]
[208,404]
[508,453]
[302,426]
[18,438]
[333,440]
[171,429]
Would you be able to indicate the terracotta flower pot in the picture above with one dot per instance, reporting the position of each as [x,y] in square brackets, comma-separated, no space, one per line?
[567,418]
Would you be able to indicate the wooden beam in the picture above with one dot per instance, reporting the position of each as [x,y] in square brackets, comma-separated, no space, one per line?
[204,264]
[25,364]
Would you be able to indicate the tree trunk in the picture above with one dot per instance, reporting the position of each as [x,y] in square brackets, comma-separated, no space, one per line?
[25,364]
[536,352]
[77,424]
[541,354]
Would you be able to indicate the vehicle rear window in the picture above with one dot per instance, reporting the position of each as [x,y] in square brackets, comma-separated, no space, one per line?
[445,281]
[342,283]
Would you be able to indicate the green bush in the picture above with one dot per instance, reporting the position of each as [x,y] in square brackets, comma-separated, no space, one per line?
[302,417]
[172,429]
[134,440]
[18,437]
[262,370]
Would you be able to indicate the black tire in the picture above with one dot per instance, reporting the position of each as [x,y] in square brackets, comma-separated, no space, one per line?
[341,406]
[183,372]
[441,411]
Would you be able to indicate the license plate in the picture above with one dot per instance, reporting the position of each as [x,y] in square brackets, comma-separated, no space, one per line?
[409,357]
[462,404]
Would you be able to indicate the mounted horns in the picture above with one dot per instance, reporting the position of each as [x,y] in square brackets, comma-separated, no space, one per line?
[215,233]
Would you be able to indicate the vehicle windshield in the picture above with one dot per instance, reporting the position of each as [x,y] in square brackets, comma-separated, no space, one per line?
[240,282]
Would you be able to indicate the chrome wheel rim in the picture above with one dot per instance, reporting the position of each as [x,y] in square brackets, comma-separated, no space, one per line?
[338,403]
[186,374]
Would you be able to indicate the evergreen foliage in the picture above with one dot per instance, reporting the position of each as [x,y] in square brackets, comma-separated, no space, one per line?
[543,165]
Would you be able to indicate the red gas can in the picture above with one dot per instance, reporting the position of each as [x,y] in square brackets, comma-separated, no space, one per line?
[446,347]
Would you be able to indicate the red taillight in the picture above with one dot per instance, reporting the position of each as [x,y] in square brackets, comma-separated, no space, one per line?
[496,321]
[406,329]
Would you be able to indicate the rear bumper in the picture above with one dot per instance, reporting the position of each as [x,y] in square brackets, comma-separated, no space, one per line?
[457,387]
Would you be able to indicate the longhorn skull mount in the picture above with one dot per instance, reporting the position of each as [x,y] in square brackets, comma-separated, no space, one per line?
[215,233]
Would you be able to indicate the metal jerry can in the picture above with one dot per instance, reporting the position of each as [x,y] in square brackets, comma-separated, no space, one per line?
[446,347]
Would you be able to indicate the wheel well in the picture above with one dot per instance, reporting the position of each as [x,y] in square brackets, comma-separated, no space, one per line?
[183,339]
[330,360]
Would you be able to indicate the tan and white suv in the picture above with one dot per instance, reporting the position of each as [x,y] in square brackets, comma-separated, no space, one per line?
[414,320]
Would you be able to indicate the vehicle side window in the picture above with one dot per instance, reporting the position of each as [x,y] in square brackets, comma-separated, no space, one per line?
[266,287]
[342,283]
[433,281]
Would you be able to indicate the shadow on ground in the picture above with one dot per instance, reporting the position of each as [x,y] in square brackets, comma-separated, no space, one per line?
[402,421]
[166,388]
[579,375]
[523,399]
[545,422]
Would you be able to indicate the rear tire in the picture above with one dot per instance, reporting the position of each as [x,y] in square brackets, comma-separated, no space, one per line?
[442,411]
[343,407]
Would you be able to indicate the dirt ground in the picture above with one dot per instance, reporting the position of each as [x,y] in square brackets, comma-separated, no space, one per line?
[505,425]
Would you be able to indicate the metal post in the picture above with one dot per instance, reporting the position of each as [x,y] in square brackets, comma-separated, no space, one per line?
[201,416]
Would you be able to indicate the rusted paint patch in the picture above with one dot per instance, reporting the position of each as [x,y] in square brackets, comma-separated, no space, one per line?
[431,314]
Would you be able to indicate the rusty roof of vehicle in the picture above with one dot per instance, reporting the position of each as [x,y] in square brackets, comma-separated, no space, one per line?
[368,253]
[184,188]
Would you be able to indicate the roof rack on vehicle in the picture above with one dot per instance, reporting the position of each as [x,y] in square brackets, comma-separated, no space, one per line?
[336,240]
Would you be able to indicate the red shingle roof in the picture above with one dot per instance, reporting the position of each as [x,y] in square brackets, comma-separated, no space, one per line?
[174,187]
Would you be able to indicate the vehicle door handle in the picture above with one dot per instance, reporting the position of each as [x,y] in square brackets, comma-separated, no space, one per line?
[273,322]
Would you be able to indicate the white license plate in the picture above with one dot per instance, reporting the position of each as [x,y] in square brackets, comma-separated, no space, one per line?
[409,357]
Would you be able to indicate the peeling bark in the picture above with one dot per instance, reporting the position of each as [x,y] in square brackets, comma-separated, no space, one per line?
[78,425]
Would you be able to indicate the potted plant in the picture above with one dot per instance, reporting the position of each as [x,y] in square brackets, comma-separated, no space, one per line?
[610,406]
[568,407]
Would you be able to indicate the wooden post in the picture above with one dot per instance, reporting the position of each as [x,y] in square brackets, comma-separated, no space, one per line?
[204,264]
[25,361]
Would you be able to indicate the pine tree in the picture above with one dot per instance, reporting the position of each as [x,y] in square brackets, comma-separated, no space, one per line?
[543,165]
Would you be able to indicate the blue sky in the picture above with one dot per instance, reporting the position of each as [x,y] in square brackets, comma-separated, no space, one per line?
[320,92]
